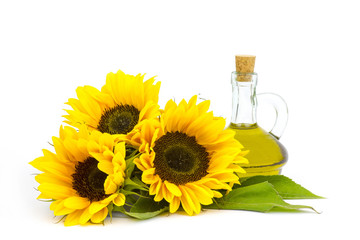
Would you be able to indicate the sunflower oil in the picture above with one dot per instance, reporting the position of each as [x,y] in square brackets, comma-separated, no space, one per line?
[266,156]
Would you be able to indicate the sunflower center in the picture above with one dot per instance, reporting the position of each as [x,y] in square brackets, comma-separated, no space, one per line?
[120,119]
[88,180]
[179,159]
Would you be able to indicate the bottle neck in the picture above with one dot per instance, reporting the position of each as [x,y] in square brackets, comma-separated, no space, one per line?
[244,99]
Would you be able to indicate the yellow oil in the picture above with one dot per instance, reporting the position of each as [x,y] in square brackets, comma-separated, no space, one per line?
[266,156]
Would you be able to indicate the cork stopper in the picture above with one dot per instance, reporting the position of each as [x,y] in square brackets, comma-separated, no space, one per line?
[245,64]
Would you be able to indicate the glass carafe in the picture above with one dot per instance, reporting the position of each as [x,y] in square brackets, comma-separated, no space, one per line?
[266,154]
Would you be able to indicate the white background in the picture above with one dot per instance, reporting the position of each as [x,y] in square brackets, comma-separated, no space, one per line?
[307,52]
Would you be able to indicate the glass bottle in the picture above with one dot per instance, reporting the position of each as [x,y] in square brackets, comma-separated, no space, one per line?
[267,155]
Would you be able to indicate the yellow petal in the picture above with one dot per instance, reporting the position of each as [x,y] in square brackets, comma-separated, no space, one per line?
[109,199]
[173,188]
[194,199]
[156,189]
[118,160]
[119,200]
[186,202]
[154,186]
[43,196]
[93,147]
[204,106]
[148,176]
[73,218]
[96,206]
[51,178]
[120,148]
[219,162]
[90,106]
[109,186]
[174,204]
[54,204]
[56,191]
[203,194]
[210,131]
[100,215]
[107,140]
[224,176]
[159,193]
[61,152]
[60,209]
[85,216]
[166,193]
[76,202]
[146,160]
[217,194]
[106,167]
[169,105]
[237,168]
[62,171]
[151,90]
[192,101]
[108,154]
[213,183]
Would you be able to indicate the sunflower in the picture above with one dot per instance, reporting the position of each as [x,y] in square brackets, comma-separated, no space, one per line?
[123,102]
[187,156]
[83,177]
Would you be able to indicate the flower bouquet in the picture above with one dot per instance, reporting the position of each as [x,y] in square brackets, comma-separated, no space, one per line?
[122,153]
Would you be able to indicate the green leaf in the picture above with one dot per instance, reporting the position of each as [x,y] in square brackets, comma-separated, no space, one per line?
[135,183]
[144,208]
[261,197]
[140,183]
[131,151]
[110,209]
[286,187]
[130,165]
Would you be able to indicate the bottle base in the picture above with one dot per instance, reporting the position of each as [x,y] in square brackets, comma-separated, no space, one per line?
[263,171]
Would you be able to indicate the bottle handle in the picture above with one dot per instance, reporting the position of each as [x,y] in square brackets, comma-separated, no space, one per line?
[281,110]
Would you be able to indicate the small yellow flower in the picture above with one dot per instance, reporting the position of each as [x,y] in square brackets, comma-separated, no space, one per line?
[84,176]
[187,156]
[123,102]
